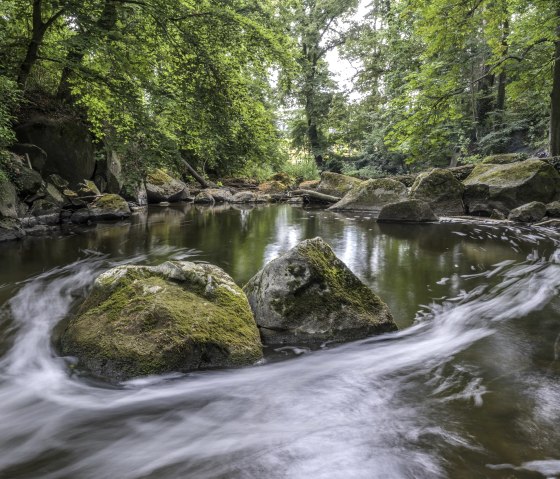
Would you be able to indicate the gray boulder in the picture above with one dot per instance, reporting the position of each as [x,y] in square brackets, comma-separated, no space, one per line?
[441,190]
[529,213]
[220,195]
[162,187]
[244,197]
[204,197]
[372,195]
[309,296]
[410,211]
[508,186]
[553,209]
[178,316]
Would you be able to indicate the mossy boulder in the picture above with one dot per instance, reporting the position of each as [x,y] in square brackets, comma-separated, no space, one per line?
[505,187]
[28,182]
[87,190]
[272,187]
[178,316]
[441,190]
[309,185]
[109,207]
[553,209]
[529,213]
[162,187]
[372,195]
[504,159]
[283,178]
[335,184]
[308,296]
[409,211]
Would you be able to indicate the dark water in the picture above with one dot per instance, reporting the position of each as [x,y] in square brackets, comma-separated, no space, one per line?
[470,386]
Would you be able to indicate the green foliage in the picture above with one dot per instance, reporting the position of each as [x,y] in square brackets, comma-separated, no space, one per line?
[303,169]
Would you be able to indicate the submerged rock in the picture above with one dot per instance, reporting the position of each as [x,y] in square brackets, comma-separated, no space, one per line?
[309,296]
[162,187]
[529,213]
[508,186]
[178,316]
[372,195]
[335,184]
[410,211]
[441,190]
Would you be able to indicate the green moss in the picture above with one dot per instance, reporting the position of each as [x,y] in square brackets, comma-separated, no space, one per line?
[158,177]
[110,202]
[139,321]
[341,288]
[504,158]
[509,174]
[336,184]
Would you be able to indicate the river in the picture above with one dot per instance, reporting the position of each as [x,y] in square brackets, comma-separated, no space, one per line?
[469,387]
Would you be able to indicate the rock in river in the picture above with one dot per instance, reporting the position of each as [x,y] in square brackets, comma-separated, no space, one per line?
[410,211]
[178,316]
[372,195]
[162,187]
[309,296]
[529,213]
[441,190]
[508,186]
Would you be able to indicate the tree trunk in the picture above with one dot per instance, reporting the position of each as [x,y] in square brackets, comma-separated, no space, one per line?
[555,100]
[37,35]
[195,174]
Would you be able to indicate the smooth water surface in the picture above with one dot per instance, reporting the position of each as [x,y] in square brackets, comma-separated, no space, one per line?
[469,387]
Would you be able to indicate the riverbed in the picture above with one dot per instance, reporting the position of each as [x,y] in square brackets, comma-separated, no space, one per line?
[469,387]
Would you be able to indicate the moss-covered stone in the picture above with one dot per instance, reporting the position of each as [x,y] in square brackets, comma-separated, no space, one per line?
[283,178]
[88,190]
[505,187]
[178,316]
[109,207]
[220,195]
[504,159]
[372,195]
[529,213]
[162,187]
[273,187]
[10,229]
[204,197]
[335,184]
[244,197]
[309,296]
[441,190]
[410,211]
[308,185]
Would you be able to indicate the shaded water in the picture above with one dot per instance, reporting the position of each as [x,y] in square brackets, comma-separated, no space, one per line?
[469,387]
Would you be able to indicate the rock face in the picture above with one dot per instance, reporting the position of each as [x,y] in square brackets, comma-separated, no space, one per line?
[66,142]
[309,296]
[178,316]
[335,184]
[505,187]
[372,195]
[411,211]
[162,187]
[529,213]
[37,156]
[8,199]
[441,190]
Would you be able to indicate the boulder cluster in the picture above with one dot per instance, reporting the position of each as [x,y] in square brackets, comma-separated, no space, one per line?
[183,316]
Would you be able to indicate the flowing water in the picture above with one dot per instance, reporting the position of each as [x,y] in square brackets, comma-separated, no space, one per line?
[469,387]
